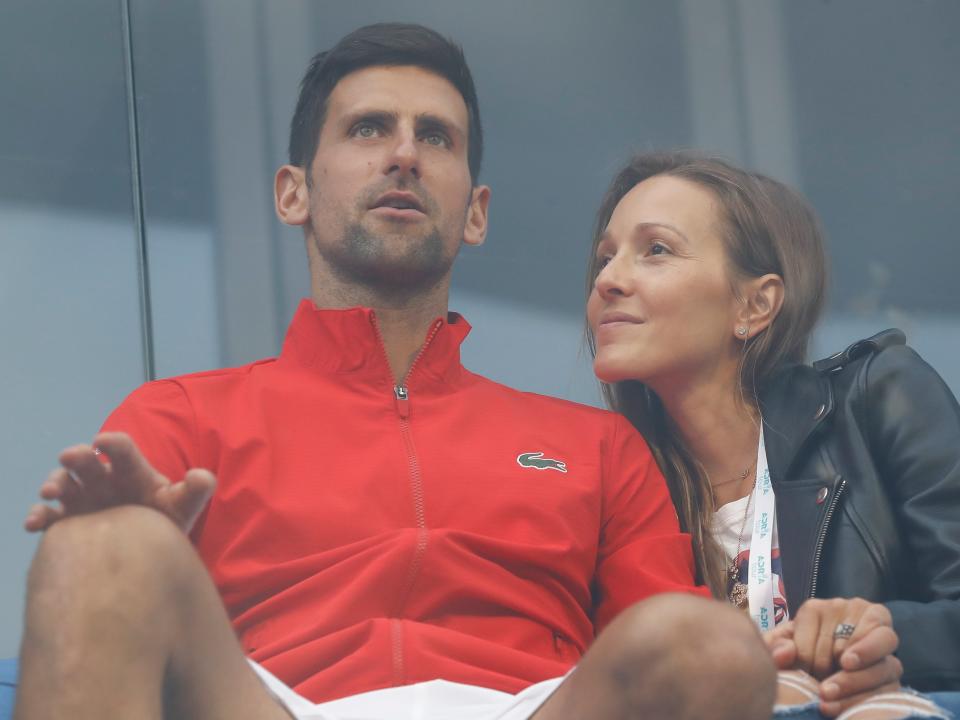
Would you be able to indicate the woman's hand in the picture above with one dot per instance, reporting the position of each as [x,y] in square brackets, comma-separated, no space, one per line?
[847,644]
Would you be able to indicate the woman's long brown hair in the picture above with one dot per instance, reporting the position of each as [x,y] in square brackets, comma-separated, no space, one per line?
[767,228]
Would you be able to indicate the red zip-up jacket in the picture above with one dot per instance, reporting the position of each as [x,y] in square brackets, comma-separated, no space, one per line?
[364,535]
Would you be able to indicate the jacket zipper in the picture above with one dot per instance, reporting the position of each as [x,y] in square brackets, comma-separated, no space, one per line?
[401,397]
[821,539]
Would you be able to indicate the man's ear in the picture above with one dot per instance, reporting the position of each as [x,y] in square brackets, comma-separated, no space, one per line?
[762,300]
[290,195]
[475,230]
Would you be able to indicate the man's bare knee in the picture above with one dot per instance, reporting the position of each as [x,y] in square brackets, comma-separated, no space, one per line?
[118,534]
[117,554]
[701,656]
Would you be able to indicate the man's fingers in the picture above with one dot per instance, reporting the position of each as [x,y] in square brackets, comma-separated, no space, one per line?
[64,487]
[40,517]
[128,465]
[185,500]
[58,485]
[87,471]
[92,479]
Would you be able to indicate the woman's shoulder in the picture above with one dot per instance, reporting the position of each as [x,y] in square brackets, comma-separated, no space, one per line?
[879,379]
[891,391]
[892,341]
[801,379]
[880,365]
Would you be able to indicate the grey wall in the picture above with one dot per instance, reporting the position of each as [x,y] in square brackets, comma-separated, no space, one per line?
[70,330]
[167,131]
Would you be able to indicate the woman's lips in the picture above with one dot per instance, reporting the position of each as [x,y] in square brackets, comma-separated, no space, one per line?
[611,324]
[618,319]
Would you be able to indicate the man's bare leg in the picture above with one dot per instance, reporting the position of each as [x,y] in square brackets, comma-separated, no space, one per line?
[672,656]
[123,621]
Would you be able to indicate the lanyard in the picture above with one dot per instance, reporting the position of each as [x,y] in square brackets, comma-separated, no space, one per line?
[760,572]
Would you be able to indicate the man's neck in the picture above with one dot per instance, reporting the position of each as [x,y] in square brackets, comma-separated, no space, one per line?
[403,324]
[403,333]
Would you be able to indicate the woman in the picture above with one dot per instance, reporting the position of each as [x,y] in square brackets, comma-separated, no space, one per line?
[840,480]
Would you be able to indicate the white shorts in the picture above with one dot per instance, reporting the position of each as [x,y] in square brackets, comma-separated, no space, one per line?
[433,700]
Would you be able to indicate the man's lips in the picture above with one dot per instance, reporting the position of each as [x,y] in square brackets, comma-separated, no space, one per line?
[398,203]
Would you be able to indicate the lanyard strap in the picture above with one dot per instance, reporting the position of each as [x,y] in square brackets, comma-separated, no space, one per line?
[760,572]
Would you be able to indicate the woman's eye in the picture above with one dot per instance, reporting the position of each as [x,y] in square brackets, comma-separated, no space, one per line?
[657,248]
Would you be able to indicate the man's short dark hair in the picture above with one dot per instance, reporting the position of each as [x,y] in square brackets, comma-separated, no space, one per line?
[390,44]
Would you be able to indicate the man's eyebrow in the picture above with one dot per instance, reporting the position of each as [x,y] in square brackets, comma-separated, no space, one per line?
[429,121]
[380,117]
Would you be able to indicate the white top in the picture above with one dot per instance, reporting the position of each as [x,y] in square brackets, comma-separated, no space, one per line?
[725,527]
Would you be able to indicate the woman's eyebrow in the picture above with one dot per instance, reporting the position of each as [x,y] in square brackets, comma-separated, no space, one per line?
[646,225]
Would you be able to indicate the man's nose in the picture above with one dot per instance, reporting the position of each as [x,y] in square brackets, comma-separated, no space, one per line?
[404,155]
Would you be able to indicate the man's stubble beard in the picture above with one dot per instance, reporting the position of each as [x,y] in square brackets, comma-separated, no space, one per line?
[390,266]
[395,267]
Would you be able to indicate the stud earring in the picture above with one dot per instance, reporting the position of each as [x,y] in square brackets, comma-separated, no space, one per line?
[741,331]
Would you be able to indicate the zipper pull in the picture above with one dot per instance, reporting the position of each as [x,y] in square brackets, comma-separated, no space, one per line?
[402,397]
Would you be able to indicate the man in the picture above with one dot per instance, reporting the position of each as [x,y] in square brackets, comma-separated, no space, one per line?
[391,535]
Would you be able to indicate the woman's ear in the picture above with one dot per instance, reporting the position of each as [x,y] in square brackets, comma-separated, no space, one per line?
[291,195]
[762,300]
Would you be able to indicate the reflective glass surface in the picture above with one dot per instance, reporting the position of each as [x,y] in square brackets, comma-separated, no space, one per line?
[856,103]
[69,273]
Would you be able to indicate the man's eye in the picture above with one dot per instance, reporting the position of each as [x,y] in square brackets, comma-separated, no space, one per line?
[365,130]
[436,139]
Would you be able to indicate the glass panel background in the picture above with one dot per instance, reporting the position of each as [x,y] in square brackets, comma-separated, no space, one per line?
[857,103]
[70,332]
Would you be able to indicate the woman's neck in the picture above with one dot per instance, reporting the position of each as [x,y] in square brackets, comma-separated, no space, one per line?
[721,430]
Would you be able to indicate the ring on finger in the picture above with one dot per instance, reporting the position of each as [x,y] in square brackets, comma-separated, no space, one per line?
[844,631]
[76,478]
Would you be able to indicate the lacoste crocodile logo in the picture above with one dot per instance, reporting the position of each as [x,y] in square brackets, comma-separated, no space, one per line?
[537,461]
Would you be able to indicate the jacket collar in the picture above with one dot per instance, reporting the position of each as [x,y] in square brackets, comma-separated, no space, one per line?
[794,404]
[348,341]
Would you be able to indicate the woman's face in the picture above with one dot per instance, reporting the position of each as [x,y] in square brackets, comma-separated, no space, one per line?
[663,310]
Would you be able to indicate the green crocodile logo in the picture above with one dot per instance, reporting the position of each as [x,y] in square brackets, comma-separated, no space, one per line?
[537,461]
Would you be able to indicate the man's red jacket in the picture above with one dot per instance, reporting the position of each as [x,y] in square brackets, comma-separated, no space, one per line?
[365,535]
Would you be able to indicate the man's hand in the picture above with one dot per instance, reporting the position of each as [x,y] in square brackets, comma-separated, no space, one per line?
[113,472]
[850,669]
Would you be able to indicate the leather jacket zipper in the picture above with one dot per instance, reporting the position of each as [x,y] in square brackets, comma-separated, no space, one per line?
[822,537]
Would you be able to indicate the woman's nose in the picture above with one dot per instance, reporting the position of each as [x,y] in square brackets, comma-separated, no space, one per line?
[613,278]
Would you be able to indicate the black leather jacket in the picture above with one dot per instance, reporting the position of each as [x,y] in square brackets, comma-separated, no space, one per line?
[864,454]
